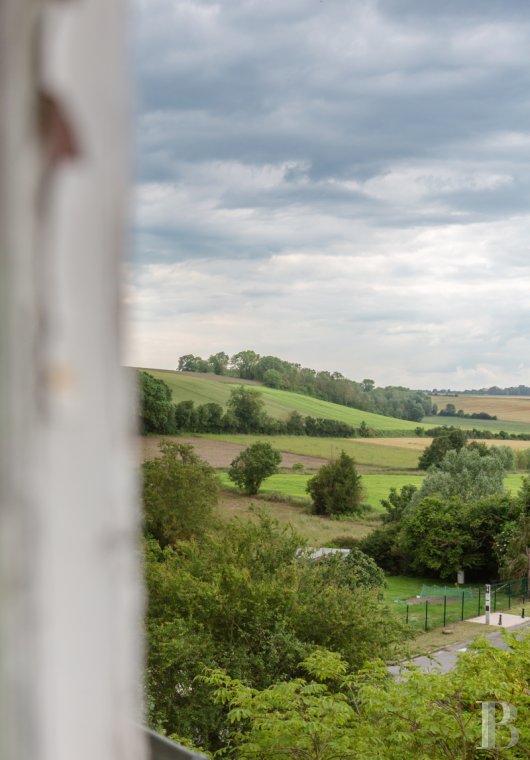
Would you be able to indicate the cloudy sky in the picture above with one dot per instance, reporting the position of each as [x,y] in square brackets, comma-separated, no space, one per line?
[342,183]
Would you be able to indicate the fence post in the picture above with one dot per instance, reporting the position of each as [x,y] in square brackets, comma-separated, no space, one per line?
[445,609]
[407,615]
[478,610]
[426,614]
[495,600]
[509,596]
[463,601]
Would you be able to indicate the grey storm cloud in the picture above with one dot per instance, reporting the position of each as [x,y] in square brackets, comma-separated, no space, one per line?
[318,174]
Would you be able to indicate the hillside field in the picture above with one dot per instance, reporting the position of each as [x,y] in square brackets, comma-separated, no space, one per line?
[495,426]
[365,451]
[204,389]
[510,408]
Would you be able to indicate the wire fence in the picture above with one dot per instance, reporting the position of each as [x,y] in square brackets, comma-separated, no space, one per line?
[433,609]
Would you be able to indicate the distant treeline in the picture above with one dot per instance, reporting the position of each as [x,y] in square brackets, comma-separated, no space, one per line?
[245,414]
[519,390]
[486,435]
[451,411]
[392,401]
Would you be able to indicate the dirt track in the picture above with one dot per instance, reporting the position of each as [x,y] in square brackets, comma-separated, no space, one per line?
[217,453]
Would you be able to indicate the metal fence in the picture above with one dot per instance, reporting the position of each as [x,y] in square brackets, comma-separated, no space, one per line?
[441,610]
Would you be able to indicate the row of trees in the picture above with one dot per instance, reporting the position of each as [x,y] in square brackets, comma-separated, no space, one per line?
[392,401]
[245,413]
[450,410]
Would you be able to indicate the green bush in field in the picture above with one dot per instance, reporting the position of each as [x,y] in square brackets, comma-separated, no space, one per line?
[180,492]
[253,465]
[336,488]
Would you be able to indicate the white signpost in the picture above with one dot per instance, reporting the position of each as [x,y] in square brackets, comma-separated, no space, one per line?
[488,601]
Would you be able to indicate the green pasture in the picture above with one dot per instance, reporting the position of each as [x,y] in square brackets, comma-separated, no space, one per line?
[279,404]
[494,426]
[370,454]
[377,485]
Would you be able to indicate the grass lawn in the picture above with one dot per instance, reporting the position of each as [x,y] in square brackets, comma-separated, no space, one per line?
[402,588]
[201,389]
[317,531]
[393,457]
[376,485]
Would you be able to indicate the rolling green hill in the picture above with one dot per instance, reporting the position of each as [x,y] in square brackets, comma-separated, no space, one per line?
[204,389]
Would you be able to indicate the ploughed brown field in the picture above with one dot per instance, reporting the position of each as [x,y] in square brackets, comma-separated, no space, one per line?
[217,453]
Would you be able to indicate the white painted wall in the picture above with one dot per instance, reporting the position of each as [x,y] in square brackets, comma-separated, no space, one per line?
[70,601]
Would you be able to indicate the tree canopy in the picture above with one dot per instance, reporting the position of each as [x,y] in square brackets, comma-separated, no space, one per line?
[336,488]
[250,468]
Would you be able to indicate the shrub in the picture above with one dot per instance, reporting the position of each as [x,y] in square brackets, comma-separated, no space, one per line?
[253,465]
[336,488]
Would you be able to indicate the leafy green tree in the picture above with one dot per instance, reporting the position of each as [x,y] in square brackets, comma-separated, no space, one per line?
[245,363]
[191,363]
[250,468]
[246,407]
[433,454]
[355,569]
[180,492]
[432,537]
[336,488]
[210,417]
[397,502]
[218,363]
[156,409]
[334,714]
[186,416]
[467,474]
[295,424]
[273,379]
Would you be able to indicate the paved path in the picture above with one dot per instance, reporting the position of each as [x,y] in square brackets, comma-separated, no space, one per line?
[445,659]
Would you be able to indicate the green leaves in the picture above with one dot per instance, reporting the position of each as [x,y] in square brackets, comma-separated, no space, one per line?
[336,488]
[253,465]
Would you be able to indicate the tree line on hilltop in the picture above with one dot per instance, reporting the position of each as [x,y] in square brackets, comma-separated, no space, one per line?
[494,390]
[391,401]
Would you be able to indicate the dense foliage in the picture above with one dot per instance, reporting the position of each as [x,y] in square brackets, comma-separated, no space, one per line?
[250,468]
[156,409]
[459,519]
[180,492]
[243,599]
[330,712]
[392,401]
[336,488]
